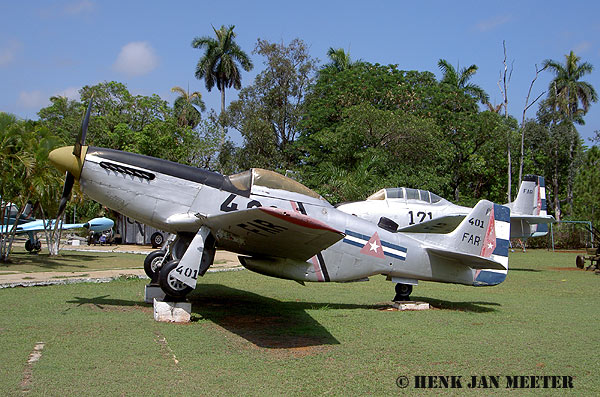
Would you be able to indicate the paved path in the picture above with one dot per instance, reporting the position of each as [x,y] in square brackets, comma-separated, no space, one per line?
[224,261]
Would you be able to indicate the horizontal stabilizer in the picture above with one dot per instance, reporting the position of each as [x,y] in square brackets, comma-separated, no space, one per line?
[442,224]
[533,219]
[474,261]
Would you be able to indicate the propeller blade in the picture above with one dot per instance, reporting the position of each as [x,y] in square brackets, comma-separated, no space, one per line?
[83,132]
[66,195]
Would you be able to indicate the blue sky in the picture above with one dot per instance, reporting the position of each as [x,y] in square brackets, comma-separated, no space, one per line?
[55,48]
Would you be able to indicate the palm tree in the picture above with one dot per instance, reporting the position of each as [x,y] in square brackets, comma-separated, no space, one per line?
[494,108]
[340,59]
[219,64]
[187,113]
[568,95]
[460,79]
[571,99]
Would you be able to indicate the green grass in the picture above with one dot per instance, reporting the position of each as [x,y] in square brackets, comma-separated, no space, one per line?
[69,261]
[254,335]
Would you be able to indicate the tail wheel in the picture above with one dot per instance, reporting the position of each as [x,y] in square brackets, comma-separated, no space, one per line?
[153,263]
[580,261]
[403,292]
[169,284]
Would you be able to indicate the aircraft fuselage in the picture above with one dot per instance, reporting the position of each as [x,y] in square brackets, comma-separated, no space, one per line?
[175,198]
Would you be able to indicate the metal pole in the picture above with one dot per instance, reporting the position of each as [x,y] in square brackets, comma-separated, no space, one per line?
[552,235]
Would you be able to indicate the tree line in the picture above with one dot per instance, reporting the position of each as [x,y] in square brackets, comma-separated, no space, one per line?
[345,128]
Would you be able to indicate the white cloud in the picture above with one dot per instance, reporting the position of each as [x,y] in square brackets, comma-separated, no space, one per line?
[70,92]
[136,58]
[493,23]
[32,99]
[582,47]
[8,51]
[79,7]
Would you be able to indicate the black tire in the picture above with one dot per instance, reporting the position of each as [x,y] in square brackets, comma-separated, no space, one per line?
[29,245]
[151,263]
[579,261]
[157,239]
[169,284]
[38,245]
[403,292]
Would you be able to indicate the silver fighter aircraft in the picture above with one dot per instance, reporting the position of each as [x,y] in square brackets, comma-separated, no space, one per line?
[279,227]
[420,211]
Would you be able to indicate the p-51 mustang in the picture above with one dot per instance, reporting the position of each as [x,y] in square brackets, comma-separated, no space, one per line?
[420,211]
[279,227]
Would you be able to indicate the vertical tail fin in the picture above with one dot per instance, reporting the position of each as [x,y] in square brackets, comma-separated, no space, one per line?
[480,241]
[485,232]
[531,199]
[530,215]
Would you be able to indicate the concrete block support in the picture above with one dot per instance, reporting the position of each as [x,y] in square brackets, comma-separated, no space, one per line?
[411,305]
[174,312]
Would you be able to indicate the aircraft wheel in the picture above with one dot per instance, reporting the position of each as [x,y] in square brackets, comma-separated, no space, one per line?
[152,262]
[403,292]
[28,245]
[38,245]
[169,284]
[579,261]
[156,239]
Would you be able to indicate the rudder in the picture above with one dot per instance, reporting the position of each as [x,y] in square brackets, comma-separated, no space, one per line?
[531,198]
[485,232]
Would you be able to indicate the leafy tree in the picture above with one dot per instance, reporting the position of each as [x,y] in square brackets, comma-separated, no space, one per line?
[135,123]
[268,112]
[548,146]
[25,173]
[460,79]
[372,148]
[444,143]
[219,64]
[586,202]
[185,107]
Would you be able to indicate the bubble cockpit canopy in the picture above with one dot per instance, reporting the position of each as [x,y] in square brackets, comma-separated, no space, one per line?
[258,179]
[404,193]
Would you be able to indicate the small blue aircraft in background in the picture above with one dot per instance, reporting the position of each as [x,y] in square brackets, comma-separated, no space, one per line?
[30,226]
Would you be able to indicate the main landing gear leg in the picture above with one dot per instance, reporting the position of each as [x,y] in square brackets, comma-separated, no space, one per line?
[178,277]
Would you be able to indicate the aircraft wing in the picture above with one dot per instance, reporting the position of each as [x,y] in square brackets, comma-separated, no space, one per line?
[273,232]
[532,219]
[96,224]
[38,226]
[442,224]
[34,226]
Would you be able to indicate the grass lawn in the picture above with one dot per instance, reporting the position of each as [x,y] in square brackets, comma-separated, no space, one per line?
[254,335]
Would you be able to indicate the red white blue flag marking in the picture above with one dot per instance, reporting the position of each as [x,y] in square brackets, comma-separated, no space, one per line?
[374,246]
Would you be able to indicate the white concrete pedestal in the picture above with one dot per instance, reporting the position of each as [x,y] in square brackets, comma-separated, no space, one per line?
[410,305]
[172,312]
[153,291]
